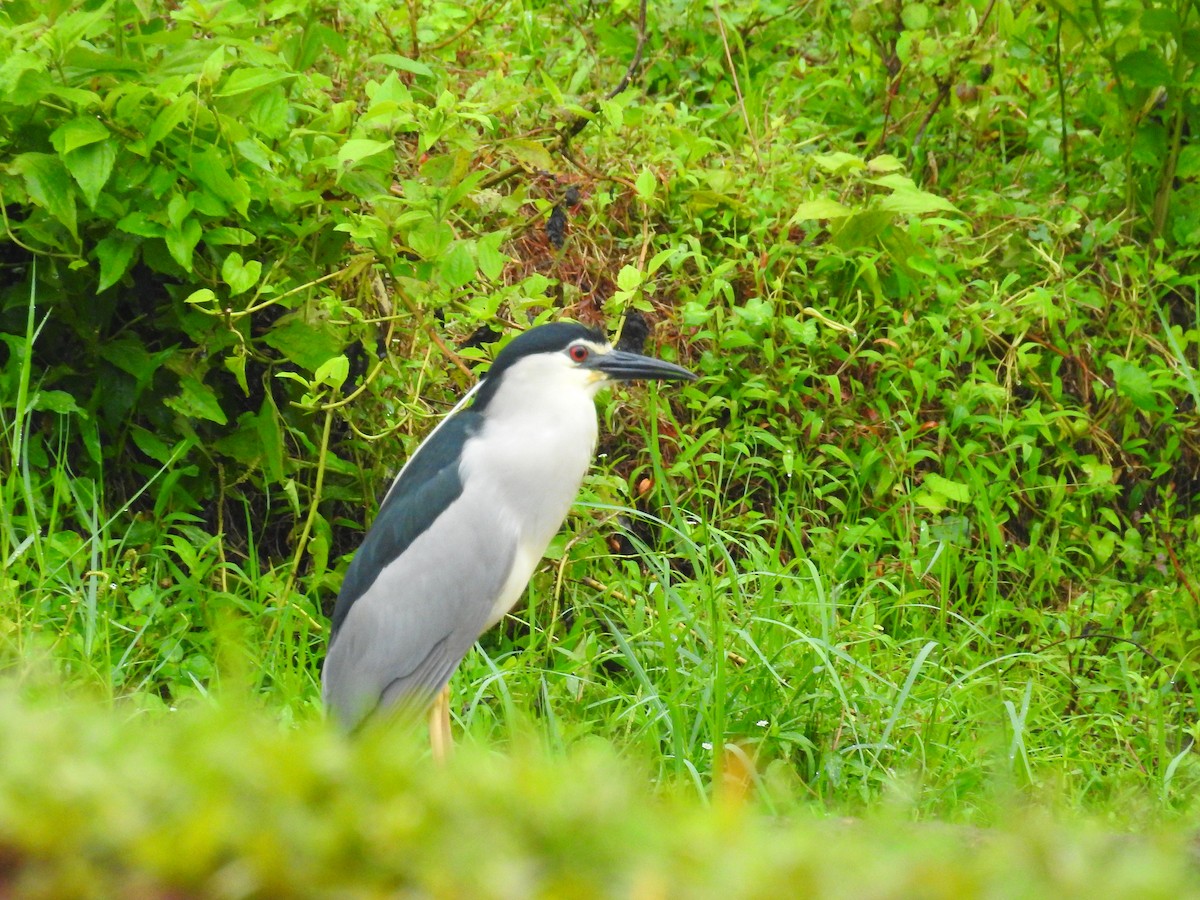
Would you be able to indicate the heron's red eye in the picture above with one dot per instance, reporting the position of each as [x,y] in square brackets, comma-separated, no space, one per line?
[578,353]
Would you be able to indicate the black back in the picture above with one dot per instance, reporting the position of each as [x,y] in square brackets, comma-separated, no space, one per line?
[428,485]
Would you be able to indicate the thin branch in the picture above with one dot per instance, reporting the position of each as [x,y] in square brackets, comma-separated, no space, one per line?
[479,17]
[580,121]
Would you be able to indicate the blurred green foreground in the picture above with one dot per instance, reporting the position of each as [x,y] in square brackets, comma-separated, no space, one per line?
[224,802]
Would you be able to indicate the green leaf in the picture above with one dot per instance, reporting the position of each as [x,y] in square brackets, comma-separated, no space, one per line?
[821,208]
[1145,68]
[49,186]
[142,596]
[306,343]
[115,253]
[614,113]
[487,252]
[915,16]
[629,278]
[196,400]
[354,151]
[78,133]
[138,223]
[168,118]
[211,169]
[1160,20]
[236,364]
[884,163]
[55,401]
[150,444]
[91,166]
[531,154]
[430,240]
[201,296]
[1134,383]
[457,267]
[944,487]
[182,241]
[332,372]
[403,63]
[128,355]
[244,81]
[646,185]
[239,275]
[1097,473]
[912,201]
[838,163]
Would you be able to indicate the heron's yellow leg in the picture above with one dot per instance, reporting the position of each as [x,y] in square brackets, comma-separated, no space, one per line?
[439,726]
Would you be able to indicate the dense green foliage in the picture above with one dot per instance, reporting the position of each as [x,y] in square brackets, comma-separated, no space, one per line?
[929,518]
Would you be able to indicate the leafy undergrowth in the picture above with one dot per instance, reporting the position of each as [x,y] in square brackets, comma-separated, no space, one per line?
[220,802]
[927,523]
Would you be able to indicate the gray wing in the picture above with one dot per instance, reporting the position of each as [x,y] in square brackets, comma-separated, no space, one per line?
[404,635]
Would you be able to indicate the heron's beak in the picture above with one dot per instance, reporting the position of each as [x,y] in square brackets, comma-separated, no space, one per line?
[622,365]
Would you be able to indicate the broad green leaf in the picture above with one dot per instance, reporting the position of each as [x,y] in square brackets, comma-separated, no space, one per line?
[821,208]
[78,133]
[629,278]
[142,596]
[457,267]
[182,241]
[224,237]
[531,154]
[115,253]
[306,343]
[354,151]
[150,444]
[333,371]
[1160,19]
[138,223]
[128,355]
[210,72]
[175,112]
[196,400]
[243,81]
[1133,382]
[239,275]
[1097,473]
[1191,43]
[838,162]
[55,401]
[1145,68]
[614,113]
[430,240]
[49,186]
[915,16]
[211,169]
[657,260]
[203,295]
[884,163]
[914,201]
[951,490]
[491,260]
[91,167]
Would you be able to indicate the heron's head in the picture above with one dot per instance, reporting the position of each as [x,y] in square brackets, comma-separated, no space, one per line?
[565,359]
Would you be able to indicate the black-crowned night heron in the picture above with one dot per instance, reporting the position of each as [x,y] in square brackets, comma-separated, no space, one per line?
[466,521]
